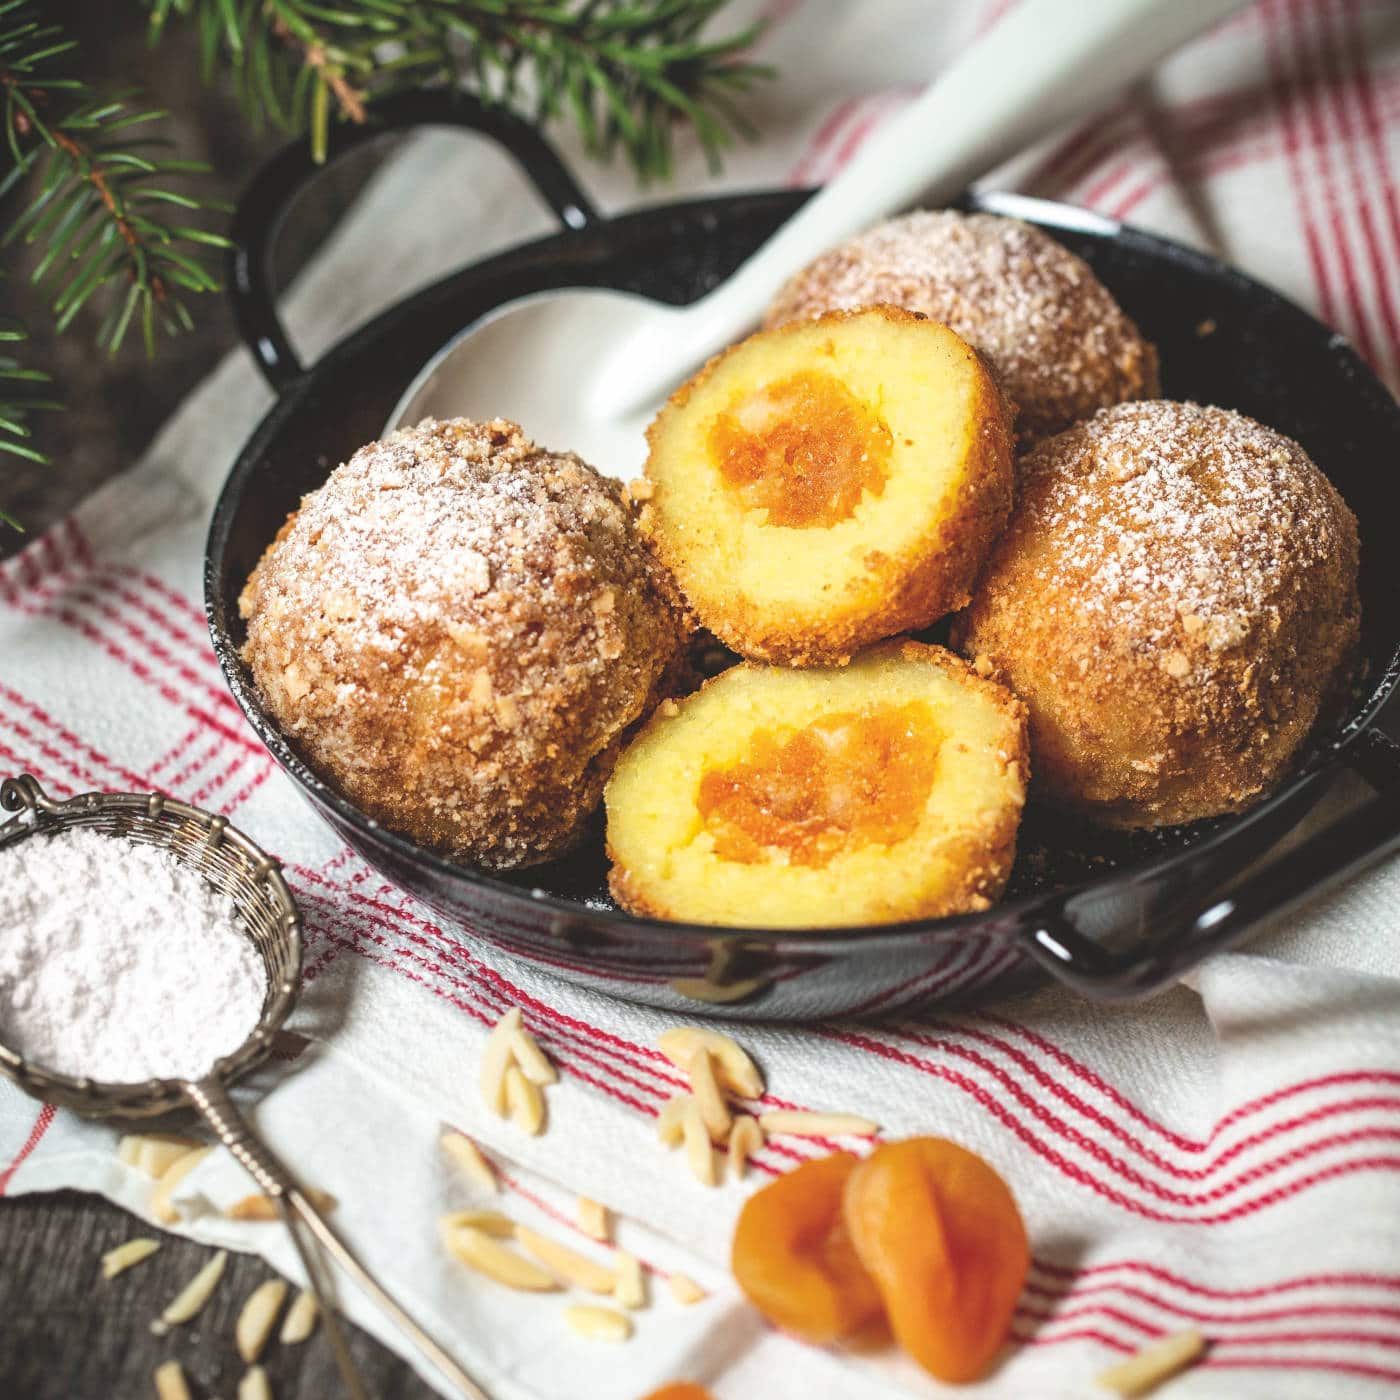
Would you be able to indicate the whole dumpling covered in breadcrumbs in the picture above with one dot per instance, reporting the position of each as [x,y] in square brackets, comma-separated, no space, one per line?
[456,629]
[1175,599]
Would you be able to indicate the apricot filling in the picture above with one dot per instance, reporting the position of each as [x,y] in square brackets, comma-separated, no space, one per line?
[803,448]
[839,783]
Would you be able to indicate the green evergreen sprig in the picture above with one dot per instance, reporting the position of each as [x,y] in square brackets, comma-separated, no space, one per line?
[22,392]
[626,71]
[101,186]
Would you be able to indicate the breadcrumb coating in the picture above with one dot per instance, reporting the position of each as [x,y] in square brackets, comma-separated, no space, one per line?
[1175,600]
[1059,344]
[456,629]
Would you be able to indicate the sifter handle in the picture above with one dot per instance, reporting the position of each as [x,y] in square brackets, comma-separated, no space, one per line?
[212,1100]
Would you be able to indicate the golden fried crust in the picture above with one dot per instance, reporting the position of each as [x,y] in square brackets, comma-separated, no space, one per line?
[982,864]
[1175,600]
[958,860]
[456,629]
[1058,342]
[899,567]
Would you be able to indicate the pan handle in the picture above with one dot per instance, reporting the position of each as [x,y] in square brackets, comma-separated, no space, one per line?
[258,217]
[1211,921]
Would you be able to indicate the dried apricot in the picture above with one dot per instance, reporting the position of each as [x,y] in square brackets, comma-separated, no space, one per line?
[680,1390]
[793,1257]
[940,1233]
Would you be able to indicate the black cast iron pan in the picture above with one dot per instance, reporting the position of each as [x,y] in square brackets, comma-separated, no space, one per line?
[1112,915]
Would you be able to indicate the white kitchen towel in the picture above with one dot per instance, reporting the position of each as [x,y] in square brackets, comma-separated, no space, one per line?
[1225,1156]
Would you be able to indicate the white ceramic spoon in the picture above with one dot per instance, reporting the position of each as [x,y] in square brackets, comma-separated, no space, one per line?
[585,369]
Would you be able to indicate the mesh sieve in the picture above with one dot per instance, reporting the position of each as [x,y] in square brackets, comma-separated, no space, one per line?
[268,915]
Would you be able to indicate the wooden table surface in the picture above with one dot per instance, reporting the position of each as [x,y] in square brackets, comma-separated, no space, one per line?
[67,1334]
[64,1333]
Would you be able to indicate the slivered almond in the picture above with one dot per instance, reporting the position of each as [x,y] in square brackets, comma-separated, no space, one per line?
[479,1251]
[254,1325]
[568,1265]
[300,1320]
[259,1207]
[489,1222]
[524,1101]
[705,1088]
[496,1059]
[534,1064]
[152,1153]
[798,1122]
[670,1122]
[684,1289]
[630,1289]
[593,1219]
[1146,1370]
[129,1148]
[124,1256]
[254,1385]
[699,1151]
[255,1207]
[467,1155]
[162,1205]
[170,1382]
[598,1324]
[187,1303]
[745,1138]
[733,1068]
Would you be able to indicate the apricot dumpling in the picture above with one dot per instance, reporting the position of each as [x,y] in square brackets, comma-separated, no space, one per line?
[457,628]
[822,486]
[884,790]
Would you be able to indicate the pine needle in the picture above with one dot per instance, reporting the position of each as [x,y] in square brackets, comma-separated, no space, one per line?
[629,73]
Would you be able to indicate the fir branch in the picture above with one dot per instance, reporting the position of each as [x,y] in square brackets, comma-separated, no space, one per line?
[92,190]
[625,71]
[22,392]
[98,192]
[94,187]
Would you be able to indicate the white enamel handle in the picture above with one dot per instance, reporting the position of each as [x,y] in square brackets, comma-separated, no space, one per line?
[1046,62]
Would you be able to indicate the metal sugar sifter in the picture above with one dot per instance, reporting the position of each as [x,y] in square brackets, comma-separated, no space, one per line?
[268,914]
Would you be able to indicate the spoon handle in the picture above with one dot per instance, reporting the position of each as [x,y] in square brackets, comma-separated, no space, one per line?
[1046,62]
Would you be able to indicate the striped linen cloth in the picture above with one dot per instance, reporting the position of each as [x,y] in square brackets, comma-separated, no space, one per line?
[1226,1156]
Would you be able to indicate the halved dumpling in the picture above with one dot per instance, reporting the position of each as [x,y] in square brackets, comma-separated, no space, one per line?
[884,790]
[830,483]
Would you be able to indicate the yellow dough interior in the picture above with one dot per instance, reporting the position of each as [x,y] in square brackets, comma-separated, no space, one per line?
[797,456]
[878,791]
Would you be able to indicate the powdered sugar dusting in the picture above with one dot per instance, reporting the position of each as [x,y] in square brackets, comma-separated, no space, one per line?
[429,519]
[1058,341]
[119,963]
[1175,601]
[1177,522]
[457,627]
